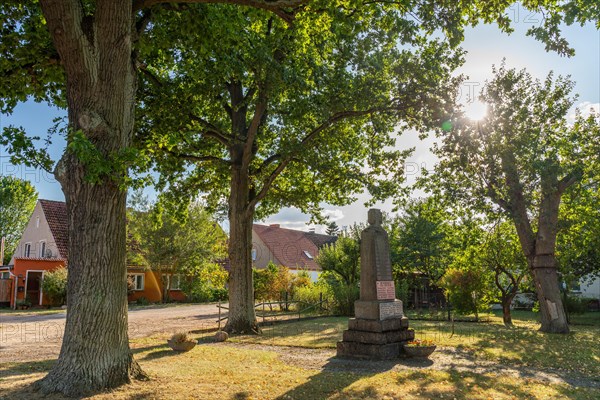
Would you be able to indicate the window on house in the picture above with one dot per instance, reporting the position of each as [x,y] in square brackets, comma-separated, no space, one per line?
[27,250]
[37,222]
[253,254]
[175,281]
[137,280]
[308,255]
[4,275]
[42,248]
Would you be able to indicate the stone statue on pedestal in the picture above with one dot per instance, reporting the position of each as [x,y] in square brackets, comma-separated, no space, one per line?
[379,328]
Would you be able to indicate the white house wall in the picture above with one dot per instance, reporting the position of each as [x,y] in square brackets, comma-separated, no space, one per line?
[34,235]
[590,288]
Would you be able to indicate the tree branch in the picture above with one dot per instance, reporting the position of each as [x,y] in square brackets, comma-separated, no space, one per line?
[261,107]
[267,184]
[267,162]
[65,24]
[277,7]
[149,74]
[192,157]
[342,115]
[569,181]
[339,116]
[213,131]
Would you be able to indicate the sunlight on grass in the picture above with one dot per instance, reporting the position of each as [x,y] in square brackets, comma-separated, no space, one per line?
[226,372]
[521,345]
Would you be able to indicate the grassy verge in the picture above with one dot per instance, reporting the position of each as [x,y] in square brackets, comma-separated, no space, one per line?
[220,371]
[31,311]
[522,345]
[225,372]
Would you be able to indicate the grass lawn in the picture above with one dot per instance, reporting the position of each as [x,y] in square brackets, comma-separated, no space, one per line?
[240,371]
[522,345]
[31,311]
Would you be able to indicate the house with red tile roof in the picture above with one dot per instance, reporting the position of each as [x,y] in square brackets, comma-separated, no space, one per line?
[44,247]
[291,248]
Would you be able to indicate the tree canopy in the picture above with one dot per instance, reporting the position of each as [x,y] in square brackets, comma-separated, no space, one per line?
[17,201]
[291,115]
[520,161]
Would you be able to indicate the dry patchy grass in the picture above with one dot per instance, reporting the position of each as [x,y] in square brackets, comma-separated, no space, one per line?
[226,372]
[221,371]
[522,345]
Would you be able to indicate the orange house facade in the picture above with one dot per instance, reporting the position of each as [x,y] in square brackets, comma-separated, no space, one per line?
[149,285]
[44,247]
[25,279]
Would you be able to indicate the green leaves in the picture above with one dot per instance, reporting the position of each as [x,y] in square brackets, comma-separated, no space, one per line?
[114,167]
[22,149]
[17,201]
[309,111]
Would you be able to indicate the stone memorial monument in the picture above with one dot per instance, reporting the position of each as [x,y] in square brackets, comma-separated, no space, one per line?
[379,328]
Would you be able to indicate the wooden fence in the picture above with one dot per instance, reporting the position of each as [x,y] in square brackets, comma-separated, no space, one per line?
[5,290]
[266,313]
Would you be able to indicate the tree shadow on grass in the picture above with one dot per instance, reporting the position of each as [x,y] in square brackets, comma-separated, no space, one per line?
[14,377]
[8,370]
[336,375]
[462,385]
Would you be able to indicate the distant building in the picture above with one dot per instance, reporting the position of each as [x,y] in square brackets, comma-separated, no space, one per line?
[588,287]
[44,247]
[291,248]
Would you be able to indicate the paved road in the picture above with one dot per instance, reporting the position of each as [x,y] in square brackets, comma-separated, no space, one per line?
[38,337]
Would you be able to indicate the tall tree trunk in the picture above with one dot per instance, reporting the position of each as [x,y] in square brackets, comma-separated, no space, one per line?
[242,316]
[544,264]
[101,84]
[545,276]
[506,302]
[539,249]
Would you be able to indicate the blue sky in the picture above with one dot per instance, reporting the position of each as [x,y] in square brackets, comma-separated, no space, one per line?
[485,45]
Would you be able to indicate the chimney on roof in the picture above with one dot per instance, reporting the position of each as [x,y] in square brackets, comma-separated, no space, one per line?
[274,225]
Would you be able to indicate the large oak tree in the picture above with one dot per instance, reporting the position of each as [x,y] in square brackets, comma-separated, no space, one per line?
[289,116]
[83,55]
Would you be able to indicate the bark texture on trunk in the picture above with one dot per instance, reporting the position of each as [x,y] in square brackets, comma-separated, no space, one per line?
[539,248]
[96,52]
[543,263]
[242,316]
[545,276]
[506,316]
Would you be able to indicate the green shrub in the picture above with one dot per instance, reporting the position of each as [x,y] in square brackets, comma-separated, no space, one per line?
[344,297]
[205,283]
[219,294]
[272,282]
[312,294]
[54,286]
[142,301]
[466,290]
[576,305]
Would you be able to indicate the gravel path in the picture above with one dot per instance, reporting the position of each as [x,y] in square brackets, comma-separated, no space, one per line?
[38,337]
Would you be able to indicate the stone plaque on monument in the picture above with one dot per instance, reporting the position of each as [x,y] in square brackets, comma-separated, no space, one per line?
[389,310]
[379,328]
[385,290]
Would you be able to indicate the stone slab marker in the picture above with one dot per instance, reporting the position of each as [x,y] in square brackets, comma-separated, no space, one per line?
[379,328]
